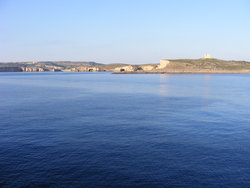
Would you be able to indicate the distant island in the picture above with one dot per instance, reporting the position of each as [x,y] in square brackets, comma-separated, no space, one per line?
[202,65]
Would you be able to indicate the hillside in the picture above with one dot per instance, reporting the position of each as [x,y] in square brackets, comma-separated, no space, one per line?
[208,65]
[41,66]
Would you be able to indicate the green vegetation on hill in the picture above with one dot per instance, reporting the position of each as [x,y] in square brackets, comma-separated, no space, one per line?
[69,64]
[42,64]
[12,64]
[111,66]
[211,64]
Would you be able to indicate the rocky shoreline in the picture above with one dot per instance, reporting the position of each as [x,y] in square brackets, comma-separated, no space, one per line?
[186,72]
[177,66]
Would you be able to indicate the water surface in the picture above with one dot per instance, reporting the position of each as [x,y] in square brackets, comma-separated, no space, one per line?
[106,130]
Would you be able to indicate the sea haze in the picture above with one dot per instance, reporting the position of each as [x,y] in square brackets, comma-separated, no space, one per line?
[111,130]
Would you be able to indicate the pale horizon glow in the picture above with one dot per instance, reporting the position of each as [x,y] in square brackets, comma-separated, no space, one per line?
[123,31]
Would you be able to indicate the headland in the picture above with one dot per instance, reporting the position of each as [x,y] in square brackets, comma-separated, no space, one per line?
[166,66]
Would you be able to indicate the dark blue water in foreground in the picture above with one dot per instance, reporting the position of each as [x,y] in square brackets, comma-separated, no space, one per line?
[99,129]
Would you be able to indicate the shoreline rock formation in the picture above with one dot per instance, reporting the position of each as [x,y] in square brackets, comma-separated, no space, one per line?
[203,65]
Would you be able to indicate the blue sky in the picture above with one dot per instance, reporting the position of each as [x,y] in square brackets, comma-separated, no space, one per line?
[123,31]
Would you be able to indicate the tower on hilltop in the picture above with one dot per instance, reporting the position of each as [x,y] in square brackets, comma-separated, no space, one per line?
[207,56]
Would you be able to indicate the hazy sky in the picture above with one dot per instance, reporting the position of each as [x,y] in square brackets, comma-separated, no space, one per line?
[123,31]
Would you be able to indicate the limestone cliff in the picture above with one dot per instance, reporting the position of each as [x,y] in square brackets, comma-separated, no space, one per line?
[85,69]
[203,65]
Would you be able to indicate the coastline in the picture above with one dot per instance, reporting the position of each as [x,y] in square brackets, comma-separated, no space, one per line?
[174,66]
[186,72]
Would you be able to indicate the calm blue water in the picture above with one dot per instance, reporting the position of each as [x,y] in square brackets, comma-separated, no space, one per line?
[105,130]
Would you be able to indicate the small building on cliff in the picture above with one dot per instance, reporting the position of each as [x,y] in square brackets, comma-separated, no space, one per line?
[207,56]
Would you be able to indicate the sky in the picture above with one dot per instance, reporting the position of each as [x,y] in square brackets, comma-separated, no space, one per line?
[123,31]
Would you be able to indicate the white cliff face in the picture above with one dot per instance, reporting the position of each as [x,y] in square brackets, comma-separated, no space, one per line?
[163,64]
[147,67]
[32,69]
[128,68]
[84,69]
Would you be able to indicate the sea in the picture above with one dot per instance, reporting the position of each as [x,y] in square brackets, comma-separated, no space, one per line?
[67,129]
